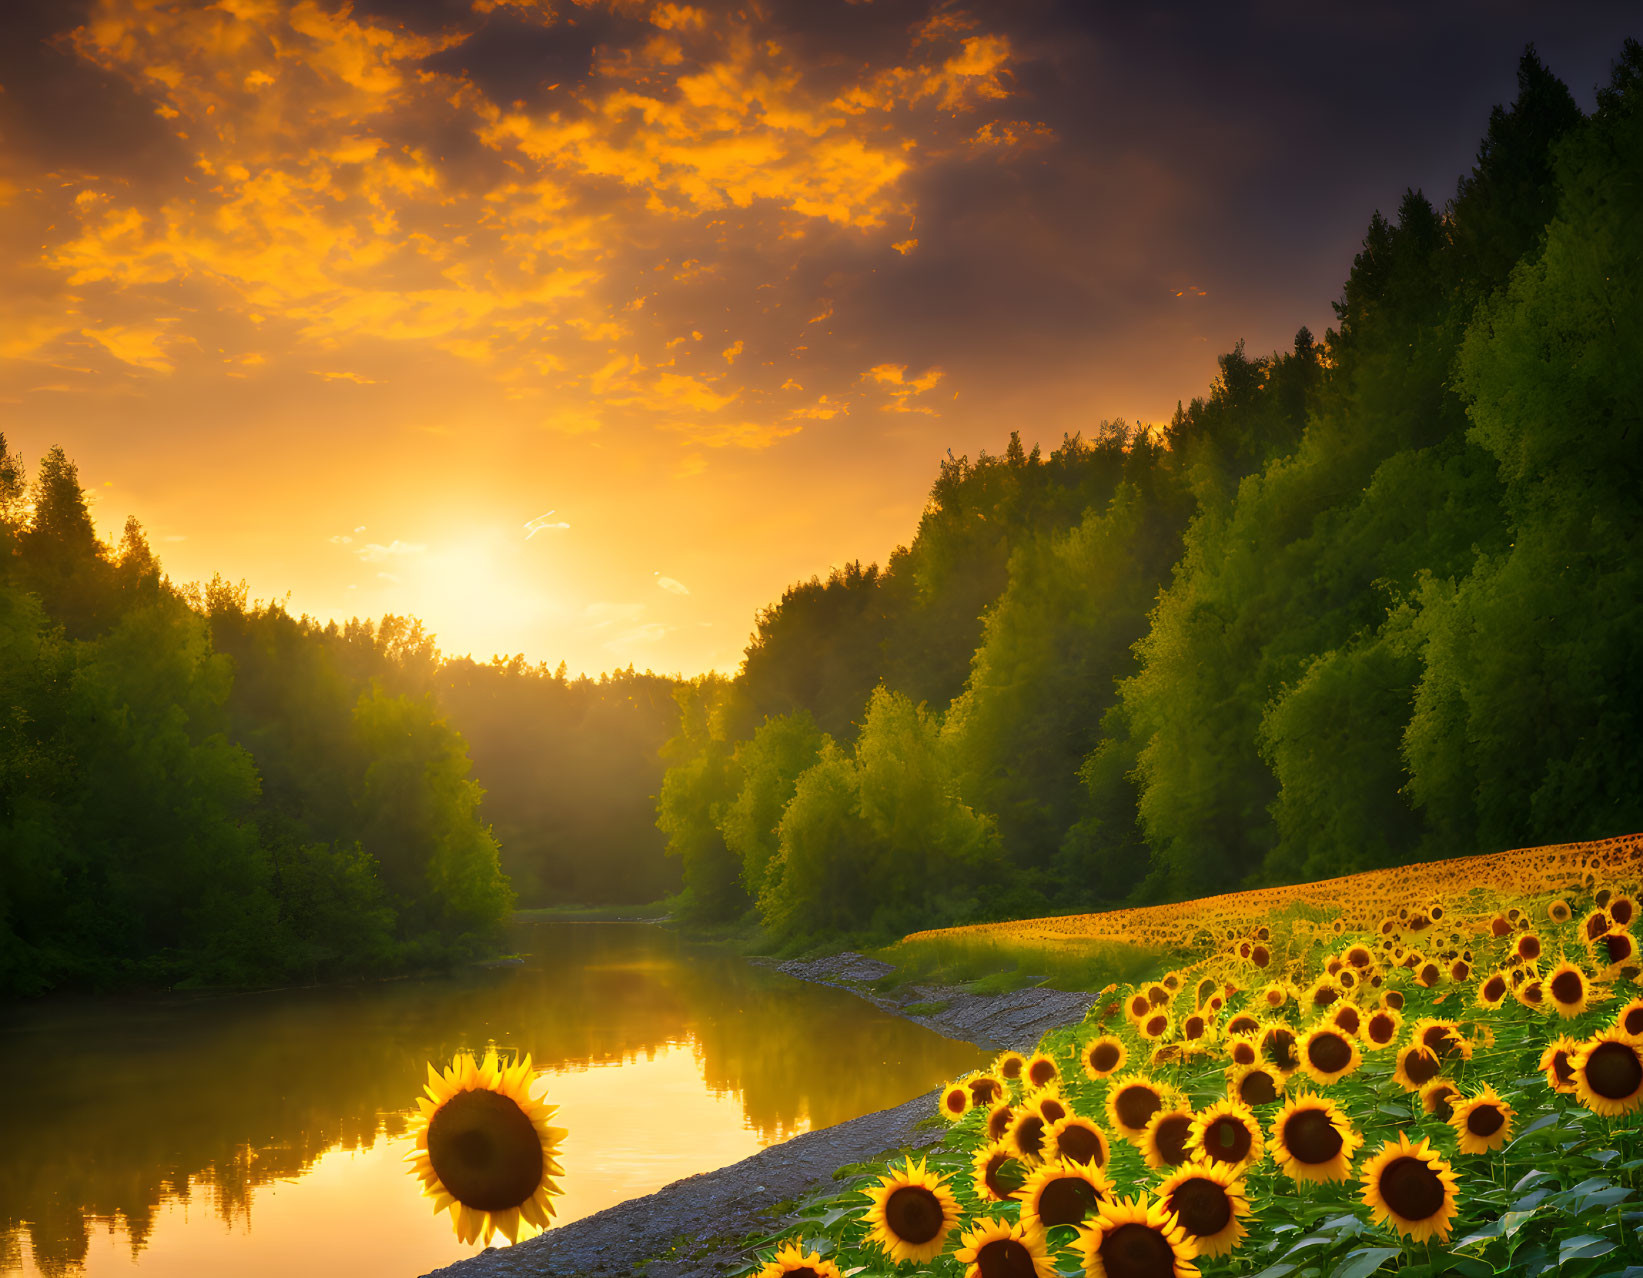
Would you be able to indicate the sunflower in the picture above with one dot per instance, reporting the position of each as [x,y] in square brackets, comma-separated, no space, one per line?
[1243,1024]
[1225,1131]
[1614,949]
[1380,1028]
[999,1118]
[1242,1051]
[1328,1054]
[792,1261]
[484,1149]
[1595,925]
[955,1102]
[1443,1038]
[1104,1056]
[1063,1193]
[1137,1238]
[1208,1202]
[1532,994]
[1025,1136]
[1009,1065]
[985,1089]
[1622,909]
[1608,1072]
[1557,1063]
[1527,947]
[1393,999]
[1559,912]
[1438,1098]
[1137,1006]
[1629,1020]
[1255,1084]
[998,1172]
[1275,995]
[994,1248]
[1568,989]
[1484,1122]
[911,1213]
[1041,1071]
[1277,1044]
[1195,1026]
[1314,1140]
[1348,1018]
[1132,1100]
[1417,1066]
[1153,1026]
[1077,1140]
[1164,1143]
[1411,1188]
[1048,1103]
[1493,989]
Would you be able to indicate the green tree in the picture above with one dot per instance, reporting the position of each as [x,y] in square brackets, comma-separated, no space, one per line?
[770,764]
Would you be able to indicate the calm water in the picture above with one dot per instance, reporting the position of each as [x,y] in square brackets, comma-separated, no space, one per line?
[265,1134]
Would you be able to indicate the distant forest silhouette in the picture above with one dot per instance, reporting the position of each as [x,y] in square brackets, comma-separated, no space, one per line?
[1374,599]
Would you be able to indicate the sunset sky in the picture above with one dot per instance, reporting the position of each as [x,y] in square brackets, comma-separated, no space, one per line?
[582,329]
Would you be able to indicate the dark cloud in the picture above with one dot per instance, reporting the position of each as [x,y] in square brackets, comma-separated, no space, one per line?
[60,113]
[514,60]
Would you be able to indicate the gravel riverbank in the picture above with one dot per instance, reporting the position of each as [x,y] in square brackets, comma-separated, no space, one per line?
[690,1229]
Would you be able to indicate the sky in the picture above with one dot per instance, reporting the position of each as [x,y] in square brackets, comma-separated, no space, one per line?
[582,330]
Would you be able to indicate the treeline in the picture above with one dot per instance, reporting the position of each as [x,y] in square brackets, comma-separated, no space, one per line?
[1375,599]
[194,791]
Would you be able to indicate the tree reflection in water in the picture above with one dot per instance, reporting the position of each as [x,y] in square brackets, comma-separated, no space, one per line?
[134,1104]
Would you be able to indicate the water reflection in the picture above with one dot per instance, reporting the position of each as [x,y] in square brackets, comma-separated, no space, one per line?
[122,1113]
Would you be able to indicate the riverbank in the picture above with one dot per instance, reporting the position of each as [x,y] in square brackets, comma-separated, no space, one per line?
[693,1228]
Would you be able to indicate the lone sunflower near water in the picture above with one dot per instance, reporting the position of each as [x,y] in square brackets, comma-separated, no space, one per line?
[484,1148]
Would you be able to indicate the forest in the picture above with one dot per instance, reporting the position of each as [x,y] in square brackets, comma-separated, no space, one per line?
[1373,599]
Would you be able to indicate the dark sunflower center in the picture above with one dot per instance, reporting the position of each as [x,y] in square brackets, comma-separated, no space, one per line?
[1442,1102]
[1194,1027]
[913,1214]
[1634,1021]
[1484,1120]
[998,1123]
[1529,947]
[1597,925]
[1620,910]
[1325,996]
[1311,1137]
[1012,1068]
[1329,1053]
[1040,1073]
[485,1150]
[1227,1140]
[1135,1105]
[1243,1054]
[1532,992]
[957,1101]
[1103,1057]
[1257,1089]
[1029,1135]
[1156,1024]
[1619,946]
[1201,1206]
[1562,1067]
[1079,1144]
[1411,1188]
[1067,1200]
[1613,1071]
[1003,1176]
[984,1091]
[1348,1019]
[1170,1136]
[1005,1258]
[1494,989]
[1280,1049]
[1567,988]
[1421,1066]
[1052,1110]
[1442,1040]
[1381,1029]
[1429,974]
[1242,1025]
[1137,1251]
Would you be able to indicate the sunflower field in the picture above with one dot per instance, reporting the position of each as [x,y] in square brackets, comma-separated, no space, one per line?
[1437,1071]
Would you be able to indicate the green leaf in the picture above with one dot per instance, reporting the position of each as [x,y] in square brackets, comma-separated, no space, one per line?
[1584,1247]
[1363,1262]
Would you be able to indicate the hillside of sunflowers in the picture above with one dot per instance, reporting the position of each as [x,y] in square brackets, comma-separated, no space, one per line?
[1433,1070]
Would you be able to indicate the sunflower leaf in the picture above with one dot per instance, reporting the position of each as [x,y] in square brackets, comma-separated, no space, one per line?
[1584,1247]
[1362,1263]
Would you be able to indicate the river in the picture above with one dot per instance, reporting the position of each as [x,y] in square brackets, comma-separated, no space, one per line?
[264,1133]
